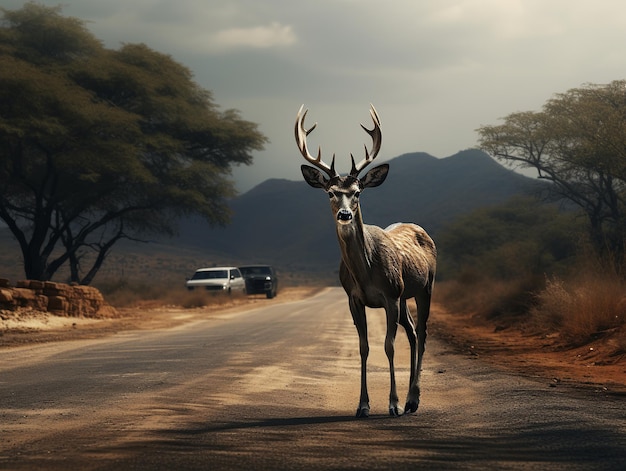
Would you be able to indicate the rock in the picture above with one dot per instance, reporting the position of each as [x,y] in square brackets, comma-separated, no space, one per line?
[59,298]
[5,296]
[57,304]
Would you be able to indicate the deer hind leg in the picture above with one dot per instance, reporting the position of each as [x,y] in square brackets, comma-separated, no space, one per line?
[406,321]
[357,310]
[390,338]
[423,311]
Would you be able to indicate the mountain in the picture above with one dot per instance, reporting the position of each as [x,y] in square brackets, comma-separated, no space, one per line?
[289,224]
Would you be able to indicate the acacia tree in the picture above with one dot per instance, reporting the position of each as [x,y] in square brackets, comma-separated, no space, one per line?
[99,145]
[577,142]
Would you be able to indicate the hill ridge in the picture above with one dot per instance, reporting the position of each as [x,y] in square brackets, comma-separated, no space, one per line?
[286,222]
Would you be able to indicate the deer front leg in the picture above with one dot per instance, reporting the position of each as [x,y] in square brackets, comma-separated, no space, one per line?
[392,310]
[357,309]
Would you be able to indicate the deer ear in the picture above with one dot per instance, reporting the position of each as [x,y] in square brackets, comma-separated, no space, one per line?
[375,177]
[313,177]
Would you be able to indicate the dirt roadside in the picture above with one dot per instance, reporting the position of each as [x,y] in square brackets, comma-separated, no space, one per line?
[594,366]
[591,366]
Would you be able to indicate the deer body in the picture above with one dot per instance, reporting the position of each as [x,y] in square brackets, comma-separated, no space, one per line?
[379,268]
[388,267]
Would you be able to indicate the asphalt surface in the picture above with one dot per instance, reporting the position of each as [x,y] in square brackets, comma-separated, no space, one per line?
[276,388]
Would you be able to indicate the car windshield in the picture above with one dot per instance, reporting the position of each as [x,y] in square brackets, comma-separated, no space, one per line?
[246,271]
[210,275]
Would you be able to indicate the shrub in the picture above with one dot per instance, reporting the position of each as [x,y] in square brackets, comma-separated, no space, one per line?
[491,299]
[125,293]
[584,307]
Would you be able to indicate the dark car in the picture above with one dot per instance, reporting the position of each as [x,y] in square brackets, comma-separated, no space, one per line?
[260,279]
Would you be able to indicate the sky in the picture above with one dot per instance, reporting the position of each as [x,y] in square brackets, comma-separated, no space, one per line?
[436,70]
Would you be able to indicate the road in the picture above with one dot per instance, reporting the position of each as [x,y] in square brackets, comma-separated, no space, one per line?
[276,387]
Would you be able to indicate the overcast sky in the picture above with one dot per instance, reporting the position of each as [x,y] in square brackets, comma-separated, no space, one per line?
[435,69]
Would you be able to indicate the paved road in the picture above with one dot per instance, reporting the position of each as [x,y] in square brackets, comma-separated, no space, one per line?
[276,388]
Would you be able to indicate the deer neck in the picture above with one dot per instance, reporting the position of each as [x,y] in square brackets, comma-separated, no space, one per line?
[356,245]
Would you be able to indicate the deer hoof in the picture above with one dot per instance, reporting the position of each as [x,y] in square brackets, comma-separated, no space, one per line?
[411,406]
[395,411]
[363,412]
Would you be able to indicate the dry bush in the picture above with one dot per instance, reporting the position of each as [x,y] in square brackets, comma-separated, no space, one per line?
[124,293]
[489,299]
[201,297]
[462,295]
[582,308]
[585,306]
[190,299]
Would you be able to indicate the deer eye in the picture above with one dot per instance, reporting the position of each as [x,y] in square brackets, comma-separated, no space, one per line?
[331,195]
[357,194]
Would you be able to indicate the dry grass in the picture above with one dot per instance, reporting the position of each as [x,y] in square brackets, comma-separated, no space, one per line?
[125,293]
[583,308]
[489,299]
[580,309]
[140,294]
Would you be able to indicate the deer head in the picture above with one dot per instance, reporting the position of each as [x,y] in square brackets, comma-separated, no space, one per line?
[344,191]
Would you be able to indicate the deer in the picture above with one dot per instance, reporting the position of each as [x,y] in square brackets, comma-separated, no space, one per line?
[379,268]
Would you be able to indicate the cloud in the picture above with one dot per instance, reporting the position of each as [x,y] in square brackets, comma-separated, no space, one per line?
[186,26]
[256,37]
[435,69]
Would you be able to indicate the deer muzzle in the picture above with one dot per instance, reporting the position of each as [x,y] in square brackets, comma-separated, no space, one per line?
[344,216]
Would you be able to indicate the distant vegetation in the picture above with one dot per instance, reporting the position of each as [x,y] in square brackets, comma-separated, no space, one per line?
[495,260]
[519,240]
[527,265]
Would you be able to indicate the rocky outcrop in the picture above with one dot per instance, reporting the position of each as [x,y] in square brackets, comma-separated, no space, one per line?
[57,298]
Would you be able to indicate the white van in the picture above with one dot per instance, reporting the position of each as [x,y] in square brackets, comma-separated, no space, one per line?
[224,279]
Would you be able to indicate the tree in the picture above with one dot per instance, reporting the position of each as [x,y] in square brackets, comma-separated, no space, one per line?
[577,142]
[99,145]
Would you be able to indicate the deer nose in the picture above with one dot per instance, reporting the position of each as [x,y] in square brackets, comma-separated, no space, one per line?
[344,215]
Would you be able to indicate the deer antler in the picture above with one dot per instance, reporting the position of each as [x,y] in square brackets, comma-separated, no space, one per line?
[301,134]
[377,139]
